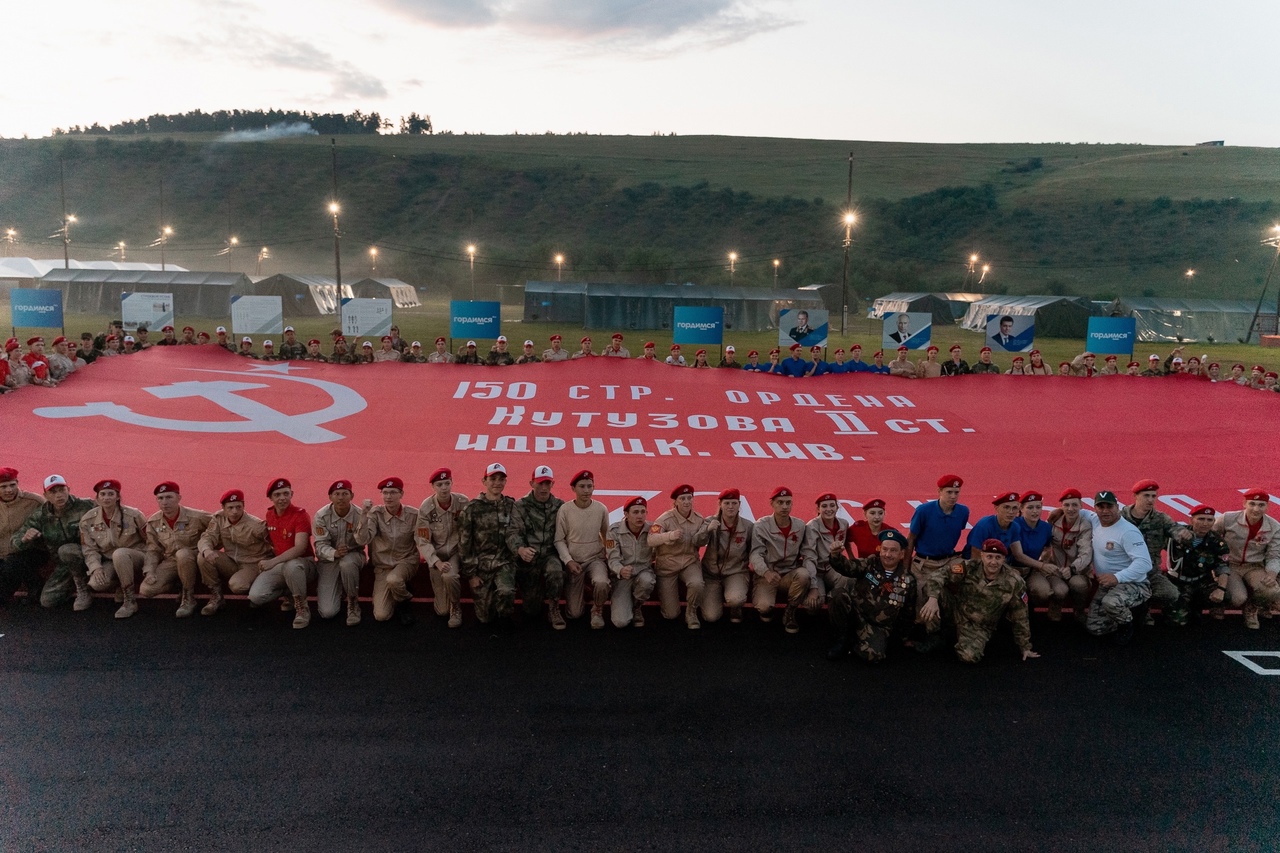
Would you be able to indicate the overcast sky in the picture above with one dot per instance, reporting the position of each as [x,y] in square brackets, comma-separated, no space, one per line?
[910,70]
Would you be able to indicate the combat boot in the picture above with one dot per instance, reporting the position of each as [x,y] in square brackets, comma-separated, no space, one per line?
[455,615]
[554,616]
[597,616]
[353,611]
[84,598]
[215,602]
[735,615]
[766,614]
[119,595]
[1250,614]
[303,611]
[789,623]
[130,605]
[691,618]
[186,604]
[637,614]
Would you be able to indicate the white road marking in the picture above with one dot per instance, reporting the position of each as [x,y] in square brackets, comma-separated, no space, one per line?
[1243,658]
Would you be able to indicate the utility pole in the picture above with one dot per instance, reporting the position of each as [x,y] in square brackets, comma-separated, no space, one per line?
[333,208]
[66,238]
[848,238]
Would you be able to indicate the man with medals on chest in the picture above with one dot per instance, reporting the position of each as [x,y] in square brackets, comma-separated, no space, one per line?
[873,600]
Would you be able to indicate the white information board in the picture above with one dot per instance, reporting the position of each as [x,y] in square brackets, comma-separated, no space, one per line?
[256,315]
[154,309]
[366,318]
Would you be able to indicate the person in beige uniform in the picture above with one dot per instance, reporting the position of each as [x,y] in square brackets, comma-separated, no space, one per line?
[1253,538]
[582,525]
[1072,550]
[339,558]
[232,548]
[17,567]
[173,537]
[557,351]
[901,366]
[783,557]
[676,560]
[113,538]
[389,531]
[725,575]
[929,367]
[437,538]
[631,564]
[830,535]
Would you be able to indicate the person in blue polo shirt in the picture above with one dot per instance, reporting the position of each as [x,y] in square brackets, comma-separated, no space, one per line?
[816,367]
[838,365]
[936,528]
[1046,581]
[879,367]
[855,363]
[996,526]
[794,364]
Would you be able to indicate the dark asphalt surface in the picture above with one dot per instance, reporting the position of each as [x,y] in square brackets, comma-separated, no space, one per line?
[231,734]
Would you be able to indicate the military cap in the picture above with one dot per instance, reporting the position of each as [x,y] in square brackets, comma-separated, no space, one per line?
[754,352]
[340,484]
[815,348]
[113,485]
[391,483]
[440,474]
[636,501]
[795,347]
[994,546]
[780,492]
[826,496]
[37,339]
[681,490]
[1030,496]
[931,348]
[1146,486]
[1105,497]
[231,496]
[278,484]
[891,535]
[1006,497]
[8,475]
[1070,494]
[730,495]
[875,503]
[581,475]
[1202,509]
[167,487]
[1256,495]
[950,481]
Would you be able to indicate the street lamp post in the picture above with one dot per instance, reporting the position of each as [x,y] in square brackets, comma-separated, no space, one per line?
[471,256]
[986,268]
[165,233]
[1273,240]
[970,270]
[849,219]
[373,258]
[559,266]
[230,243]
[65,231]
[263,254]
[733,262]
[120,249]
[337,252]
[10,237]
[776,263]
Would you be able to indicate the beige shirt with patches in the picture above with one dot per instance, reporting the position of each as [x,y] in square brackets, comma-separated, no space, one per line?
[437,536]
[99,536]
[390,537]
[13,515]
[245,541]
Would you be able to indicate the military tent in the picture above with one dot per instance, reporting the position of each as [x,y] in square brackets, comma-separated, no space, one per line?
[1170,319]
[195,294]
[1055,316]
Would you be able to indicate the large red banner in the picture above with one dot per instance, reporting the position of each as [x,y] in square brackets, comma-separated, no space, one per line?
[212,421]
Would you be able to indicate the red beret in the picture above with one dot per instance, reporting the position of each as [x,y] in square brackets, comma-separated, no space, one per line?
[584,474]
[1213,365]
[681,490]
[386,339]
[556,338]
[231,496]
[878,354]
[340,339]
[730,495]
[931,348]
[649,345]
[188,328]
[876,503]
[1006,497]
[165,488]
[35,340]
[780,492]
[795,347]
[636,501]
[1256,495]
[1064,364]
[440,474]
[950,481]
[815,348]
[754,352]
[315,341]
[675,347]
[1034,352]
[166,328]
[1070,494]
[1135,364]
[1146,486]
[1031,496]
[994,546]
[114,485]
[12,344]
[204,335]
[8,475]
[1111,358]
[984,349]
[903,348]
[1017,359]
[826,496]
[700,352]
[1257,368]
[840,351]
[857,347]
[278,483]
[617,336]
[955,348]
[440,340]
[586,339]
[1271,374]
[391,483]
[1237,365]
[340,484]
[1201,509]
[775,351]
[61,340]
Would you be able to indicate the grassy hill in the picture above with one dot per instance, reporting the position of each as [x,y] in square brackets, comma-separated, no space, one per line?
[1095,220]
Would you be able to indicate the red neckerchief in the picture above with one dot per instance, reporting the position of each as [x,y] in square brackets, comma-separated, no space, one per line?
[834,531]
[1253,529]
[171,521]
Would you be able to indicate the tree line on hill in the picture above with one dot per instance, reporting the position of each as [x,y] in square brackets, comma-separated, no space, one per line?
[221,121]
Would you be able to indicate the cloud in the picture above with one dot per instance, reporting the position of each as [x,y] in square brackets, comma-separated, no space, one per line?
[709,22]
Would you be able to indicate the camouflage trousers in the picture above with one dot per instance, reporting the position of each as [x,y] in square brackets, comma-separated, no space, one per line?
[539,581]
[1113,608]
[67,571]
[495,598]
[849,616]
[1191,594]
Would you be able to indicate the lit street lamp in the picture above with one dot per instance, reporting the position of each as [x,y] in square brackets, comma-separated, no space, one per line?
[776,263]
[849,218]
[733,261]
[471,254]
[263,254]
[10,237]
[986,268]
[1273,241]
[120,249]
[163,240]
[68,219]
[229,244]
[337,253]
[559,266]
[373,258]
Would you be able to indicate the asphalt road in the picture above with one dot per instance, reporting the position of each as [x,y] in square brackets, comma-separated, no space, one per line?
[232,733]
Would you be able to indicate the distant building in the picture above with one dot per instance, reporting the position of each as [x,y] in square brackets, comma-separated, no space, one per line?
[1217,143]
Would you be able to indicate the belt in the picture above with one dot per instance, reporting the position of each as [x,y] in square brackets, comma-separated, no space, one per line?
[937,557]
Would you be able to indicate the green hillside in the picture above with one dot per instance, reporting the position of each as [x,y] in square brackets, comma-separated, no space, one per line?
[1095,220]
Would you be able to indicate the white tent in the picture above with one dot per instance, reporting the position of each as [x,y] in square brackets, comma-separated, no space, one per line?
[1168,319]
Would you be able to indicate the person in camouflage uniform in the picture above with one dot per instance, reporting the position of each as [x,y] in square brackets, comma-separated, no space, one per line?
[1157,528]
[55,526]
[500,355]
[1198,568]
[874,600]
[975,595]
[487,525]
[539,572]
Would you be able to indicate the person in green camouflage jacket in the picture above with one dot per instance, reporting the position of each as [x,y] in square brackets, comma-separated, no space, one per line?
[539,572]
[976,594]
[486,527]
[1198,568]
[55,526]
[1157,528]
[875,600]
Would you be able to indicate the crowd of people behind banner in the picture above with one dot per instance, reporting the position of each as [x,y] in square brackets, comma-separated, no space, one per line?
[944,581]
[46,366]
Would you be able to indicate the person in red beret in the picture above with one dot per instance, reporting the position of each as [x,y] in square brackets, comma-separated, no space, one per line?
[998,525]
[877,365]
[231,549]
[441,354]
[902,366]
[339,557]
[650,352]
[173,546]
[585,348]
[1133,369]
[864,534]
[1111,367]
[935,531]
[582,526]
[1018,367]
[292,565]
[1064,368]
[929,367]
[676,358]
[438,539]
[753,362]
[615,349]
[830,535]
[1032,555]
[53,530]
[1072,551]
[113,538]
[1157,528]
[676,536]
[539,572]
[1253,538]
[631,564]
[188,338]
[775,364]
[60,362]
[556,352]
[313,352]
[488,528]
[956,365]
[1036,365]
[386,351]
[816,365]
[975,596]
[783,558]
[1198,568]
[725,574]
[18,567]
[388,530]
[17,372]
[1084,364]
